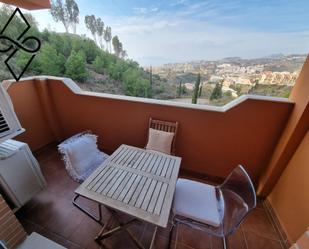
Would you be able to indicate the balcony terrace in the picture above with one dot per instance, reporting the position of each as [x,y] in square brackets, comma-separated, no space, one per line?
[257,132]
[268,136]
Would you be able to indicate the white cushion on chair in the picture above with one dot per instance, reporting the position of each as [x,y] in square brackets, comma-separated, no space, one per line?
[196,201]
[81,155]
[160,141]
[36,241]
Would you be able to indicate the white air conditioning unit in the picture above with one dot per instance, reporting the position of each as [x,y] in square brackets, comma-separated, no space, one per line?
[9,123]
[20,173]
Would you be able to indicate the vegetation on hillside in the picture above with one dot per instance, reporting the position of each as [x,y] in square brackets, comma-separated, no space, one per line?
[79,57]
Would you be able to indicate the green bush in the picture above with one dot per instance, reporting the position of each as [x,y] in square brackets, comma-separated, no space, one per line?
[49,62]
[134,85]
[75,67]
[99,64]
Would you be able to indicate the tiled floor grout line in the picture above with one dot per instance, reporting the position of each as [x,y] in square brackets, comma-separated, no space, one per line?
[185,245]
[284,240]
[263,236]
[273,223]
[245,239]
[211,242]
[176,236]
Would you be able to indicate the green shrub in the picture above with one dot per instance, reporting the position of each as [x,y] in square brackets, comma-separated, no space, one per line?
[49,62]
[75,66]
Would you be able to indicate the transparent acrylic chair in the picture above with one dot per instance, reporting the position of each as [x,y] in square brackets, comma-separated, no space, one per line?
[217,210]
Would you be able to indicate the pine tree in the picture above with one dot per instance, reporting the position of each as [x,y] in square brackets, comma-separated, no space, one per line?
[200,91]
[179,89]
[150,76]
[196,89]
[75,66]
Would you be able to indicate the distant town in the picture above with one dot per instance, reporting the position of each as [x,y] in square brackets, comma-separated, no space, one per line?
[273,70]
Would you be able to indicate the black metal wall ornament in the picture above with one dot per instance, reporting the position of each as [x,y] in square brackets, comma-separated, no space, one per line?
[18,44]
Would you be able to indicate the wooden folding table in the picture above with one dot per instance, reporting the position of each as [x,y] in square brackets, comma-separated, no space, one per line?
[138,182]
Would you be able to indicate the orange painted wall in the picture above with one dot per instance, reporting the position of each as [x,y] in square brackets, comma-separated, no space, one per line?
[208,142]
[290,196]
[30,113]
[296,128]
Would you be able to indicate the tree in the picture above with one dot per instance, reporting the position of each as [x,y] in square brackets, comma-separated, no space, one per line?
[99,64]
[50,62]
[61,42]
[196,89]
[87,45]
[60,14]
[124,54]
[179,89]
[75,66]
[117,45]
[91,24]
[134,85]
[100,31]
[108,38]
[67,13]
[254,87]
[73,13]
[200,91]
[217,92]
[150,76]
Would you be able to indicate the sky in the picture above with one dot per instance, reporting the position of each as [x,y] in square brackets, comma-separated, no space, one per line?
[168,31]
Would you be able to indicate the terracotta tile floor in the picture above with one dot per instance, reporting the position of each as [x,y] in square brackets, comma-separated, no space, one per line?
[52,214]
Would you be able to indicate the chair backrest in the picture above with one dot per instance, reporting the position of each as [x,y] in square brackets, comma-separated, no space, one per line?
[164,126]
[238,198]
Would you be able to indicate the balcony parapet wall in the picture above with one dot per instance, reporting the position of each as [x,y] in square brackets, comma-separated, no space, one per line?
[211,140]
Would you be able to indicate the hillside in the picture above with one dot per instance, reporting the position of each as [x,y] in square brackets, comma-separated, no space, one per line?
[68,55]
[80,58]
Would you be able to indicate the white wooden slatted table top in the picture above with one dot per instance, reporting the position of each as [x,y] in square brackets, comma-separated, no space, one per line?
[135,181]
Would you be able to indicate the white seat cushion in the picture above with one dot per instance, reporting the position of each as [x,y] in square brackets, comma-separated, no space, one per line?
[37,241]
[81,155]
[196,201]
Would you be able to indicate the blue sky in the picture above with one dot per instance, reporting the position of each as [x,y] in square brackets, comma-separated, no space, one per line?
[156,32]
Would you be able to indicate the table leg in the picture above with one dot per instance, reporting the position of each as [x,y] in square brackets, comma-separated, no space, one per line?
[103,228]
[92,216]
[109,233]
[122,227]
[153,237]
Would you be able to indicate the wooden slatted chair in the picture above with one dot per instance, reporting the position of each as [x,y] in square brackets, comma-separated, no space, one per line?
[164,126]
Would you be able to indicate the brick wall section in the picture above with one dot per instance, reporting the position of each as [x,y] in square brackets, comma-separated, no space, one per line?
[11,231]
